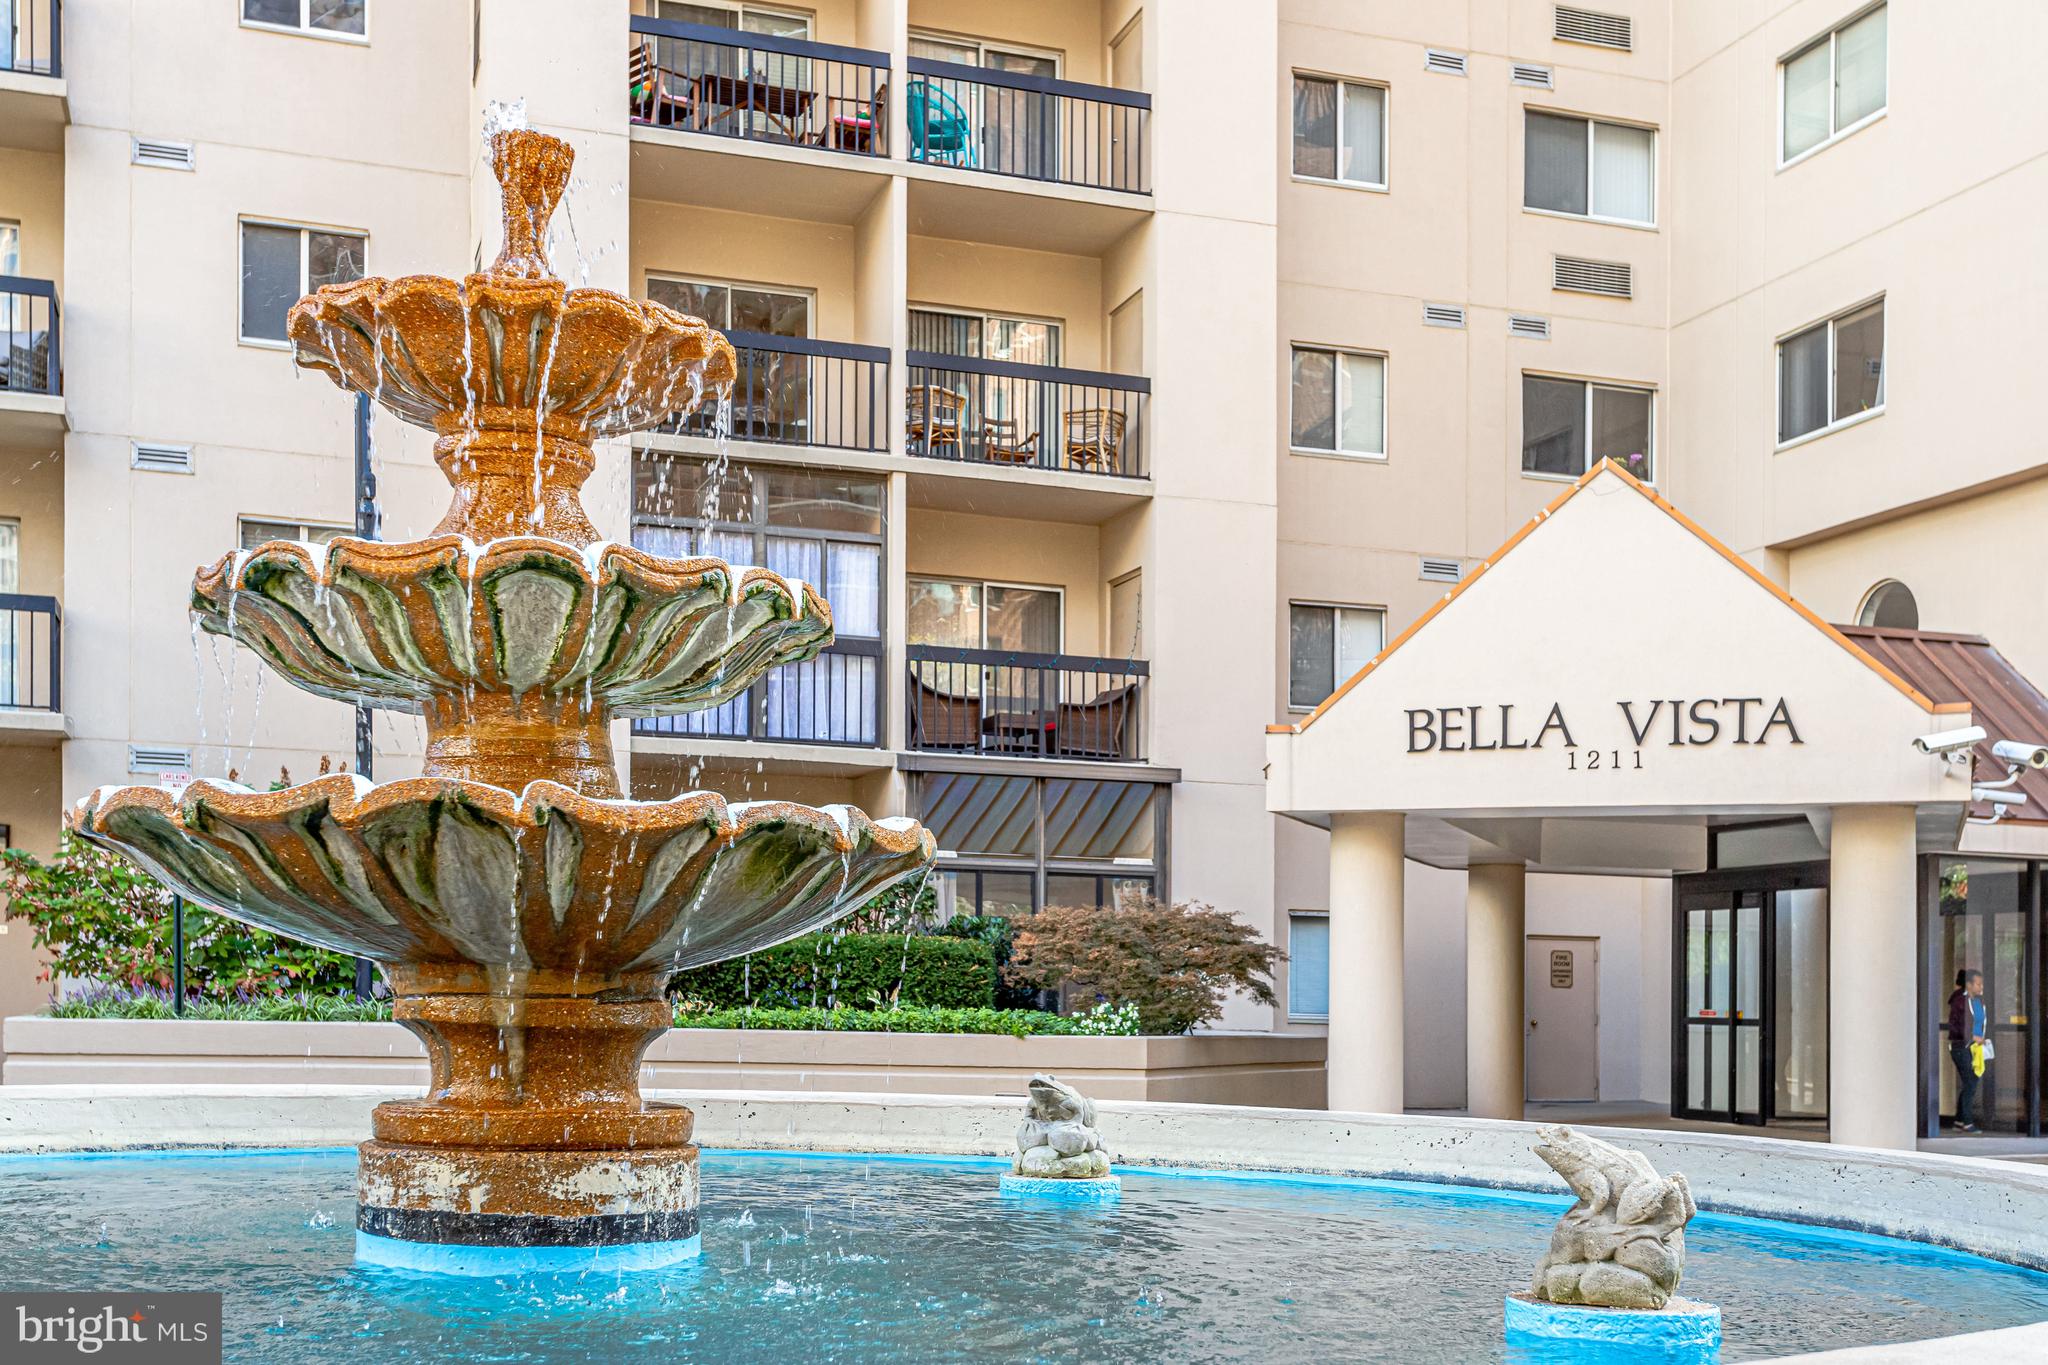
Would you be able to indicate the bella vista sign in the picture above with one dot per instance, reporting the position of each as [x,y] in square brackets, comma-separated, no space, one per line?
[1678,723]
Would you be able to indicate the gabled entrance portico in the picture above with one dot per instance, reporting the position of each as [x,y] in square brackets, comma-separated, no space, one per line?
[1596,698]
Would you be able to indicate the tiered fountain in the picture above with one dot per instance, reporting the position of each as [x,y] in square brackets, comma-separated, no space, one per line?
[526,916]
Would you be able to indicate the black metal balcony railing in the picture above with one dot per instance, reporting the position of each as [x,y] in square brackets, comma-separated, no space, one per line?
[1037,127]
[797,392]
[704,79]
[835,698]
[33,360]
[31,653]
[35,46]
[991,701]
[1001,412]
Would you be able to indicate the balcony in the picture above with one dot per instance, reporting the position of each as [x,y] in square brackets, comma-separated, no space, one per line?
[755,87]
[31,669]
[1037,128]
[33,109]
[991,701]
[834,699]
[792,391]
[1001,412]
[29,323]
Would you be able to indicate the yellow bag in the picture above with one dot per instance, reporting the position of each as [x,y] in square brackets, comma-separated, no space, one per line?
[1976,1059]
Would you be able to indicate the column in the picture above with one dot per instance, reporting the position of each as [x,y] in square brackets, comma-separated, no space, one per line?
[1494,920]
[1366,1005]
[1873,951]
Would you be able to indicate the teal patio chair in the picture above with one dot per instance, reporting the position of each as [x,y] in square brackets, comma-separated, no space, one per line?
[939,130]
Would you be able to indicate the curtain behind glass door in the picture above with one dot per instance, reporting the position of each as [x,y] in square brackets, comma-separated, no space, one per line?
[1020,129]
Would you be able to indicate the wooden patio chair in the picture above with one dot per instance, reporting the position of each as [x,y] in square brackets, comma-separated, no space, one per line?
[933,416]
[944,720]
[853,129]
[1096,728]
[1095,439]
[1002,442]
[651,92]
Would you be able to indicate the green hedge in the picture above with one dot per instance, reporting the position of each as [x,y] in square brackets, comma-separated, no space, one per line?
[855,971]
[1016,1023]
[296,1009]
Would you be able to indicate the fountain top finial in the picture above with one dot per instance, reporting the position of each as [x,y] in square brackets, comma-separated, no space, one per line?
[533,171]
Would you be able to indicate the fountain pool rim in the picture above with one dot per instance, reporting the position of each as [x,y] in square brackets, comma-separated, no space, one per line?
[1994,1210]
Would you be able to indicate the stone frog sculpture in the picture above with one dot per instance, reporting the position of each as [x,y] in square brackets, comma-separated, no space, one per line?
[1057,1139]
[1622,1245]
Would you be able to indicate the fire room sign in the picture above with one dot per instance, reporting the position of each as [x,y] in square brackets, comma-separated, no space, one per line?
[1671,722]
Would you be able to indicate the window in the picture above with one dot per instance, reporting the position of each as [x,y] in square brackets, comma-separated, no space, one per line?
[1831,373]
[1340,402]
[281,263]
[1570,425]
[820,526]
[322,18]
[1326,645]
[772,399]
[974,615]
[1308,966]
[1011,845]
[1589,169]
[736,307]
[1834,85]
[1890,606]
[1340,131]
[256,532]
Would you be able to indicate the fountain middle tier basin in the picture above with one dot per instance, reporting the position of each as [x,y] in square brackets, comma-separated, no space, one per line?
[441,870]
[429,624]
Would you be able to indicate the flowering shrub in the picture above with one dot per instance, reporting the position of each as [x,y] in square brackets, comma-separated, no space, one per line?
[102,918]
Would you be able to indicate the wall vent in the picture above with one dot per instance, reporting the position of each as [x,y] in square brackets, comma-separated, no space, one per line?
[1443,315]
[1538,76]
[169,156]
[1441,570]
[158,758]
[1526,325]
[1591,26]
[1443,63]
[1614,279]
[162,458]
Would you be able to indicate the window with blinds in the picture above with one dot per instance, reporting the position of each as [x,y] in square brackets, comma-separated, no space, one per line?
[1326,645]
[1570,425]
[1589,169]
[1832,86]
[1308,966]
[1338,402]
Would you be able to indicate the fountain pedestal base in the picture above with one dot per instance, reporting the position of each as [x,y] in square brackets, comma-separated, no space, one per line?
[497,1210]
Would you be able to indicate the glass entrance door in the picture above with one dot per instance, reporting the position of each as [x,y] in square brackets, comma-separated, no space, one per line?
[1726,946]
[1750,995]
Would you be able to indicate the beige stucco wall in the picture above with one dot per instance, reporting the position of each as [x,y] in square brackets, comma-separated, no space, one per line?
[32,195]
[746,248]
[1002,550]
[1066,289]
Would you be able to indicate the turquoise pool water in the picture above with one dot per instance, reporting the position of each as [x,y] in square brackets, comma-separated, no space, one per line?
[810,1258]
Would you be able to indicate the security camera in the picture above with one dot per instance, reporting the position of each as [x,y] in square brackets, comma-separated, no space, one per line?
[1951,743]
[2026,755]
[1998,796]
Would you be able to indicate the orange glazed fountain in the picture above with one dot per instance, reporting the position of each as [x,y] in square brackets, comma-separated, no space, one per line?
[526,917]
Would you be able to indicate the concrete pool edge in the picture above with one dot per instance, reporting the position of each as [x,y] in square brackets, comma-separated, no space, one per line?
[1988,1208]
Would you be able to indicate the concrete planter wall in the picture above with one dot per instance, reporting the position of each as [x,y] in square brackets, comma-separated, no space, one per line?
[1277,1070]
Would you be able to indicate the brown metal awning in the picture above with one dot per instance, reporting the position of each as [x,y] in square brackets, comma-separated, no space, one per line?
[1970,668]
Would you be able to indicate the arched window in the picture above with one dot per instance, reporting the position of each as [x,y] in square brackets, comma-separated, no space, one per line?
[1890,605]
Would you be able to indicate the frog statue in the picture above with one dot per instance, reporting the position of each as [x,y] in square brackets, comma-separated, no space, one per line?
[1622,1245]
[1057,1139]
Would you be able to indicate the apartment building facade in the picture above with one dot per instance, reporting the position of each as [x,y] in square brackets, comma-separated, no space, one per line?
[1127,374]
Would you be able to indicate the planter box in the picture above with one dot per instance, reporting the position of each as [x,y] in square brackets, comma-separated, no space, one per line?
[1271,1069]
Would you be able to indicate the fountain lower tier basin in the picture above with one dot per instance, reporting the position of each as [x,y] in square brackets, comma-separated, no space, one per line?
[432,626]
[807,1256]
[451,872]
[473,1211]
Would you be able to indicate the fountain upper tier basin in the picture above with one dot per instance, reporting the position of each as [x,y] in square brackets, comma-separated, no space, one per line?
[497,350]
[436,870]
[428,624]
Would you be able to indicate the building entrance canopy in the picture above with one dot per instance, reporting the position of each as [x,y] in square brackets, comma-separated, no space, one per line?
[1608,684]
